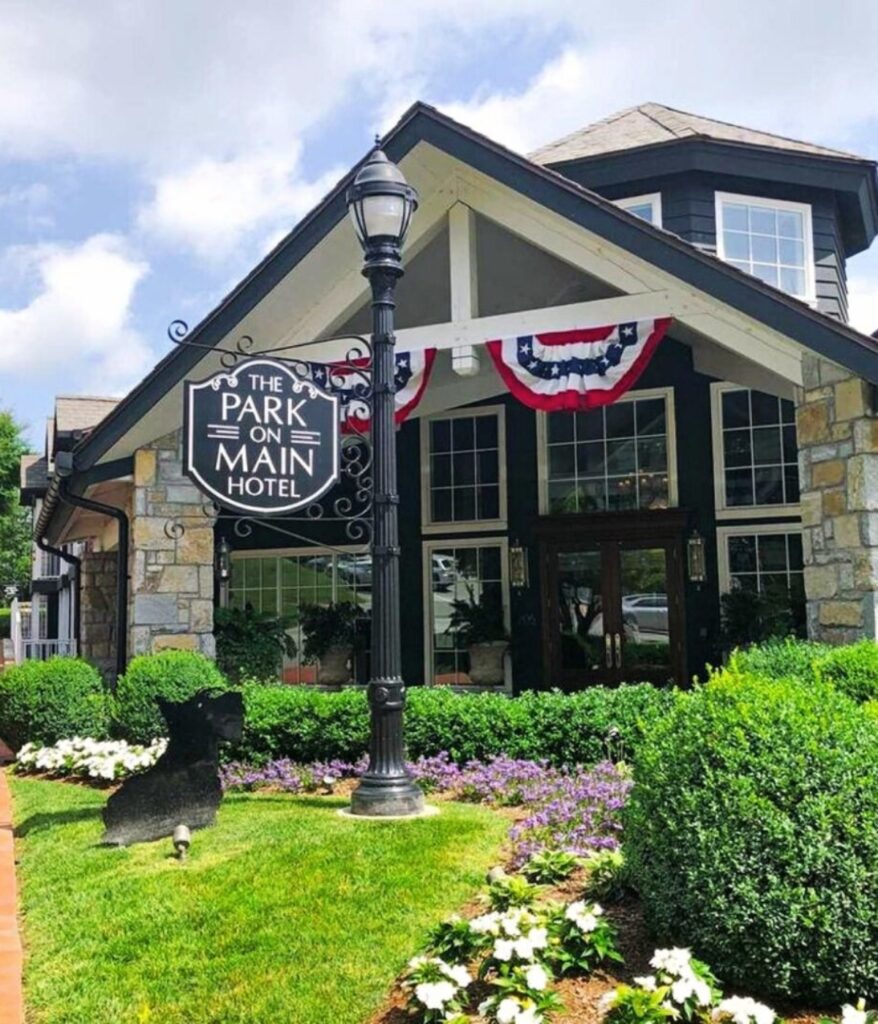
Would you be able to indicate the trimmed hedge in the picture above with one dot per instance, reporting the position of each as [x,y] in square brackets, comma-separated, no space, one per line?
[174,675]
[305,724]
[46,701]
[752,836]
[852,669]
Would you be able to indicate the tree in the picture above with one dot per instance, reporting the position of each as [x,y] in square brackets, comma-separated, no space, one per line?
[15,521]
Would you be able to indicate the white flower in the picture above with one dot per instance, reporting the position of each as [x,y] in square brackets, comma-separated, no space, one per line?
[435,994]
[459,975]
[503,949]
[523,949]
[536,978]
[854,1014]
[538,938]
[529,1016]
[487,924]
[574,910]
[507,1011]
[744,1010]
[646,981]
[674,961]
[586,923]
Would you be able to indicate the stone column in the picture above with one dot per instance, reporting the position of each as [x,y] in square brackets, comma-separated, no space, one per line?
[97,610]
[838,472]
[171,602]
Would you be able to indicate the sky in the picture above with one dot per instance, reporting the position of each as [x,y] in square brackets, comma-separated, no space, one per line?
[151,151]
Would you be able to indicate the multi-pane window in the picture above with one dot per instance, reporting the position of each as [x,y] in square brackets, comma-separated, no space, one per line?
[771,240]
[648,208]
[280,585]
[759,450]
[616,457]
[770,563]
[465,572]
[465,482]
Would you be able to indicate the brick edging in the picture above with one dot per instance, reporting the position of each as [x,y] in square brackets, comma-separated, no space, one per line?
[11,1001]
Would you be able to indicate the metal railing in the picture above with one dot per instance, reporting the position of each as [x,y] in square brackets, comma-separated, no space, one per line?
[42,650]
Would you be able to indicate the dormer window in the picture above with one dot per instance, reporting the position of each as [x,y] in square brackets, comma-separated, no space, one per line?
[648,207]
[768,238]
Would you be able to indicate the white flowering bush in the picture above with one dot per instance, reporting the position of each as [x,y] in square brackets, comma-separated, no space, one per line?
[691,984]
[523,996]
[81,757]
[581,938]
[743,1010]
[437,990]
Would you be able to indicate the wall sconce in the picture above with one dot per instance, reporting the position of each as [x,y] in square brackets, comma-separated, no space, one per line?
[223,561]
[465,361]
[519,575]
[696,558]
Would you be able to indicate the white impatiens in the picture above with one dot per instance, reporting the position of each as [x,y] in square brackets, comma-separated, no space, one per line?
[437,988]
[584,915]
[691,982]
[743,1010]
[103,760]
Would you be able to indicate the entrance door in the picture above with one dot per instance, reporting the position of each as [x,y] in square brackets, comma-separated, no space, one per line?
[613,600]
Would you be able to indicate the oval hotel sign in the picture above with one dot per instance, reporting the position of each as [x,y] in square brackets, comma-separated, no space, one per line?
[259,439]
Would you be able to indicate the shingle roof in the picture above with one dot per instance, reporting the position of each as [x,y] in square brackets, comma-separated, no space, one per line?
[81,412]
[652,124]
[34,472]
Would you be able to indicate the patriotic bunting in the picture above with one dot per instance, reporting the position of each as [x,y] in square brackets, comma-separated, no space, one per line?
[413,371]
[577,370]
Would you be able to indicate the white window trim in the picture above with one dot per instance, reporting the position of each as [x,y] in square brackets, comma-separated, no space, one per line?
[630,396]
[471,525]
[434,544]
[810,295]
[751,529]
[717,389]
[653,198]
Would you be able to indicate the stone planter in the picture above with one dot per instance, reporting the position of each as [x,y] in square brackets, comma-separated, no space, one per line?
[486,663]
[332,668]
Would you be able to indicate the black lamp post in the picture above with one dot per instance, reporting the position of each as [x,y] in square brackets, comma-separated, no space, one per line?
[381,205]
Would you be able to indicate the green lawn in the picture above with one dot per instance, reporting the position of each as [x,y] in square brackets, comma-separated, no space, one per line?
[285,913]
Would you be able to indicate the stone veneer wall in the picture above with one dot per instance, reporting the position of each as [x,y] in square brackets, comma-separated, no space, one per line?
[172,576]
[97,623]
[838,470]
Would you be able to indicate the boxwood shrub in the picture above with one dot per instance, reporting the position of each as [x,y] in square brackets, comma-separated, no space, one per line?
[752,836]
[174,675]
[46,701]
[853,669]
[780,659]
[306,724]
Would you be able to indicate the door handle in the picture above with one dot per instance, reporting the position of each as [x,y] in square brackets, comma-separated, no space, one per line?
[608,649]
[618,650]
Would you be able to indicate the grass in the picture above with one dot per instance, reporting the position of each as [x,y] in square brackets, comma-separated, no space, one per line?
[285,912]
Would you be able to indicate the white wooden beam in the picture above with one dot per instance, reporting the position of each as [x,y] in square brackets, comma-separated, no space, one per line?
[464,281]
[477,330]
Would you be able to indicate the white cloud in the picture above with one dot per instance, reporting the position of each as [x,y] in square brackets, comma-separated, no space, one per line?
[76,331]
[781,67]
[863,303]
[214,205]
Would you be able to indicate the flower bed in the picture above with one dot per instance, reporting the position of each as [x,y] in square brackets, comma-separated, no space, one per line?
[80,757]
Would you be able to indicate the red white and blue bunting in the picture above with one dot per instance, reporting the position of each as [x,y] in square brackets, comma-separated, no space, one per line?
[577,370]
[412,375]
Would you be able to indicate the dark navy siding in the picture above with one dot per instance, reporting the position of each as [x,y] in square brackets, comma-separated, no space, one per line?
[689,210]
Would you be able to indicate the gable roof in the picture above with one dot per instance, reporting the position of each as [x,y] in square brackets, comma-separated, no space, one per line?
[652,124]
[423,123]
[81,412]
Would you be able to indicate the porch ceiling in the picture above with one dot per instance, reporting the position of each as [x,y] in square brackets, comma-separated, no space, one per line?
[630,275]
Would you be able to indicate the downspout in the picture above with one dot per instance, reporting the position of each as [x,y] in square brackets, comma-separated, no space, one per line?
[44,545]
[121,568]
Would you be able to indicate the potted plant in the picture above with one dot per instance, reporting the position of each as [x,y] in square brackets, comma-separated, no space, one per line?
[329,632]
[479,627]
[251,644]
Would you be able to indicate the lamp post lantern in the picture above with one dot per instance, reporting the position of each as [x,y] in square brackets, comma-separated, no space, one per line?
[381,204]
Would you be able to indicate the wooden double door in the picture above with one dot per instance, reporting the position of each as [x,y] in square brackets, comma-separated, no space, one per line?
[613,599]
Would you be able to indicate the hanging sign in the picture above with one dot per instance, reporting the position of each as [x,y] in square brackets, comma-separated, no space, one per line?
[259,439]
[579,369]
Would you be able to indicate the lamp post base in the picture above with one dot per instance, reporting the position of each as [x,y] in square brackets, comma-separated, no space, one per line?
[387,797]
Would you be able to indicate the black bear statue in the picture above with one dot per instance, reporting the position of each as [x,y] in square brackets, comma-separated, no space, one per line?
[183,786]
